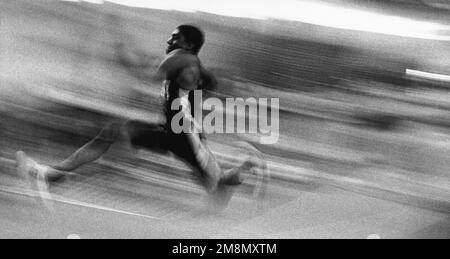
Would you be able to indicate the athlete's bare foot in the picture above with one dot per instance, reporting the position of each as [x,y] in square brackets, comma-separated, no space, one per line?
[36,176]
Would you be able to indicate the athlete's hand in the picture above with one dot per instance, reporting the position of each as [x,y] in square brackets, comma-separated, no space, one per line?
[208,80]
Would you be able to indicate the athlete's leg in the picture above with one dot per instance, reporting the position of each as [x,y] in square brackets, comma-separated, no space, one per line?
[87,153]
[197,154]
[234,176]
[254,166]
[217,182]
[210,168]
[90,152]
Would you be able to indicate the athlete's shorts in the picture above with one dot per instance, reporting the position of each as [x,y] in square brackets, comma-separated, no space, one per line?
[189,147]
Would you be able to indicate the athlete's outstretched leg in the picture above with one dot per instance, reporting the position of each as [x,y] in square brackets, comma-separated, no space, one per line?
[88,153]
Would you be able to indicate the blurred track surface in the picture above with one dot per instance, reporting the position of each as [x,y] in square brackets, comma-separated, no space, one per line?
[115,204]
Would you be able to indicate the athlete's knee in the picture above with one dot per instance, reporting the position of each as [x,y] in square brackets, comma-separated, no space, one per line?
[211,174]
[110,133]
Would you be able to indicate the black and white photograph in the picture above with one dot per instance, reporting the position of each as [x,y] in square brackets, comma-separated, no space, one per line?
[214,121]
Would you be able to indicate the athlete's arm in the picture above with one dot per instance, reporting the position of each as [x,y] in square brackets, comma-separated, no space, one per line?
[139,63]
[209,81]
[131,58]
[189,77]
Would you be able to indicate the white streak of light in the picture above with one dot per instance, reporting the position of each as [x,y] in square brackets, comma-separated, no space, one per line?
[427,75]
[306,12]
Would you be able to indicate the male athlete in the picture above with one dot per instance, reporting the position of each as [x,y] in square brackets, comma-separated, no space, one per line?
[181,72]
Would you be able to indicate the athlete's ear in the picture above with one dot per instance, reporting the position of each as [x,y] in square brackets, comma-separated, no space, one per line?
[190,46]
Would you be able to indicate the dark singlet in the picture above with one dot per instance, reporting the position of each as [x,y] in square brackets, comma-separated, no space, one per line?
[172,66]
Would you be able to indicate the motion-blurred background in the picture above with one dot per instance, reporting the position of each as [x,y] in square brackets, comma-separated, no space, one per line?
[364,102]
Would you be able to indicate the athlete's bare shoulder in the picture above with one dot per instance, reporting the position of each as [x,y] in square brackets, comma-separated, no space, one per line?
[177,61]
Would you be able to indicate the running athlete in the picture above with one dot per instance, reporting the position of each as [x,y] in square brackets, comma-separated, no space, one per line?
[181,72]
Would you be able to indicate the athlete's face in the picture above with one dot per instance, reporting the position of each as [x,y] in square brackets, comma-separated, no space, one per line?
[177,41]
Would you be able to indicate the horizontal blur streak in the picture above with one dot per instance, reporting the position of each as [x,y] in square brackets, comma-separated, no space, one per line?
[426,75]
[312,12]
[354,111]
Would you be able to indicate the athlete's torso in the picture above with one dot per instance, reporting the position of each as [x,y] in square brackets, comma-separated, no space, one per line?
[171,66]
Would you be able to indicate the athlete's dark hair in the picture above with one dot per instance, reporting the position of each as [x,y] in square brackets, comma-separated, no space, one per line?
[192,35]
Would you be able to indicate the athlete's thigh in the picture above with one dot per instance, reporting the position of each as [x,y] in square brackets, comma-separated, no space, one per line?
[148,136]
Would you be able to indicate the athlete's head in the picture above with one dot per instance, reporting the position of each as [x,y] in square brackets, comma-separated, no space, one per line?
[186,37]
